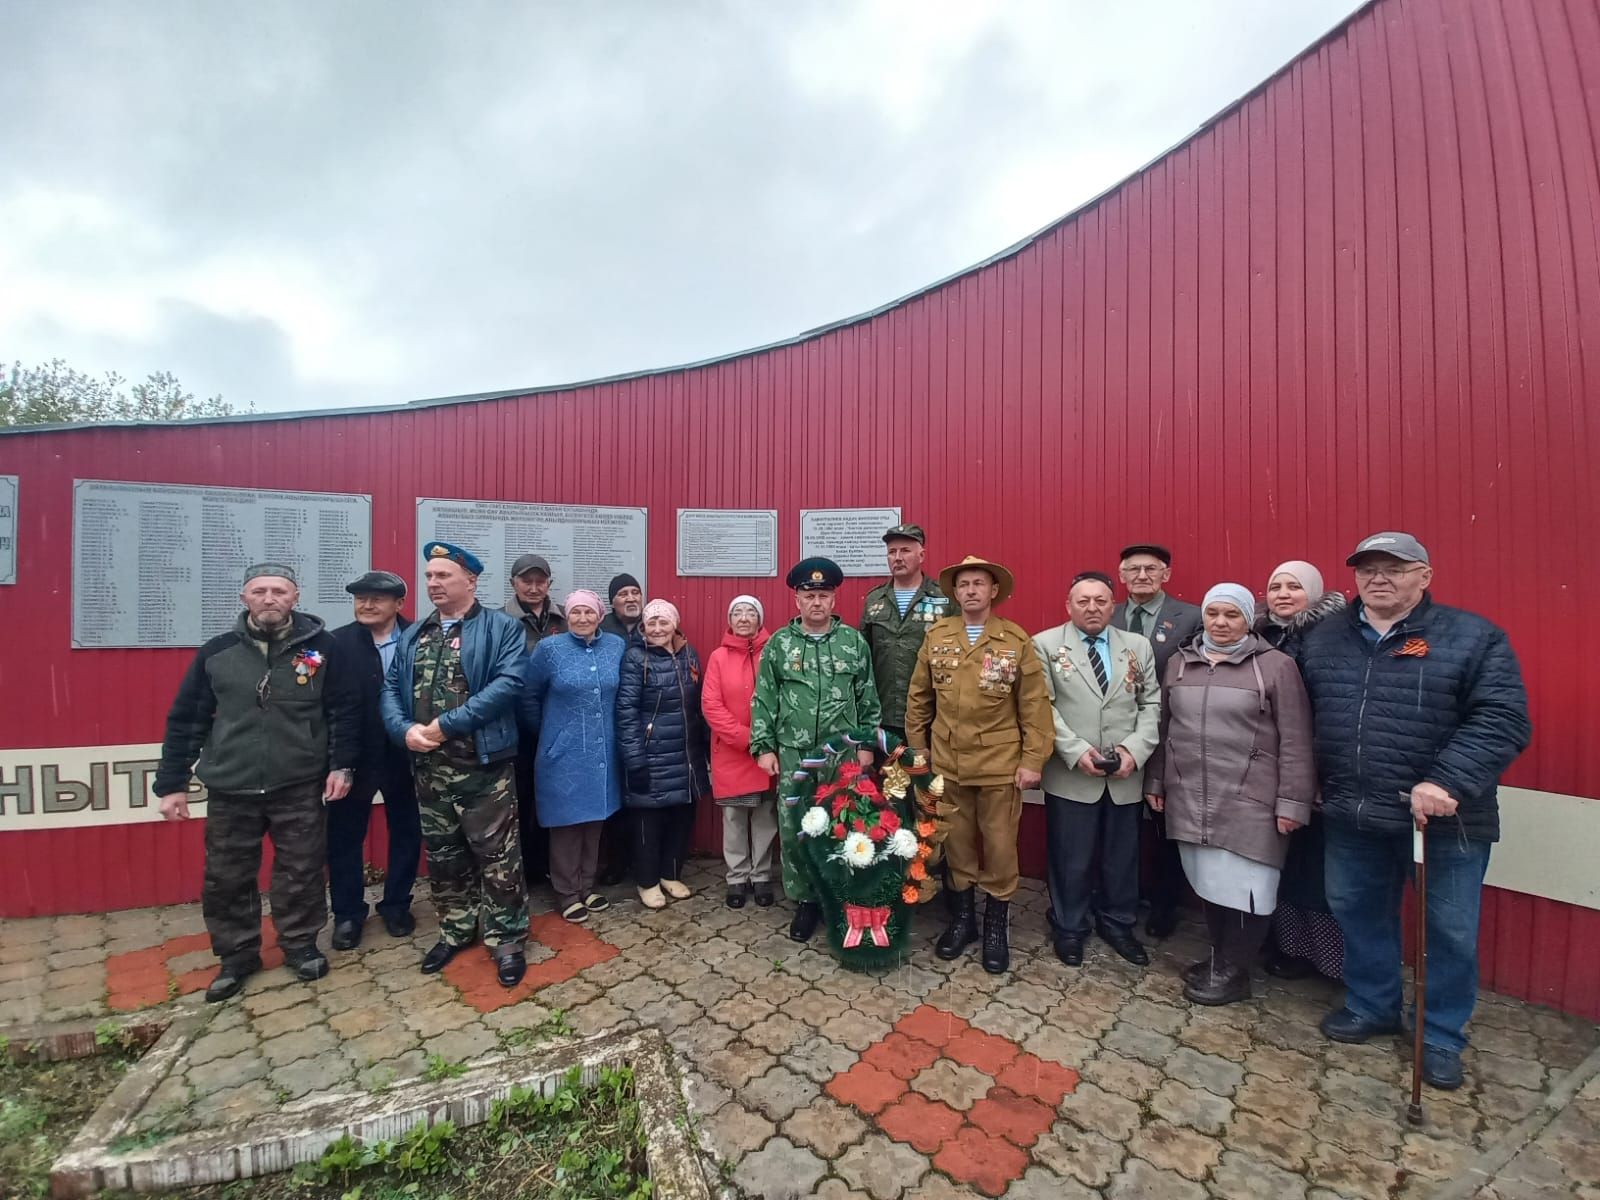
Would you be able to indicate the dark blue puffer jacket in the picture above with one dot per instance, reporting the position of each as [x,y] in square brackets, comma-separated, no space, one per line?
[1451,711]
[661,731]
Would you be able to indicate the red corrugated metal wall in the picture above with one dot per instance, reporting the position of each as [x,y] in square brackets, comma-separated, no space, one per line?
[1368,296]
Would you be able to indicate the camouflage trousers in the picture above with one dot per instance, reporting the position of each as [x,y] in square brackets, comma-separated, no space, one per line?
[469,823]
[797,882]
[230,897]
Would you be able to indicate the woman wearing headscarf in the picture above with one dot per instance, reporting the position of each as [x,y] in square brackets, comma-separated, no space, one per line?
[1235,776]
[1305,937]
[569,704]
[662,736]
[743,790]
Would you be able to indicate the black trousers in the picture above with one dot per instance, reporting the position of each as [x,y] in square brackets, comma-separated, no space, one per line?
[660,842]
[1164,886]
[347,836]
[535,837]
[1079,836]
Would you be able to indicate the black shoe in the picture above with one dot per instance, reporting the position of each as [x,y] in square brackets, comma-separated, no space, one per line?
[1222,984]
[1163,921]
[1196,972]
[807,916]
[735,898]
[346,935]
[1441,1068]
[963,928]
[1125,944]
[1288,966]
[510,969]
[996,942]
[230,980]
[434,960]
[307,963]
[1069,949]
[1345,1026]
[763,895]
[401,924]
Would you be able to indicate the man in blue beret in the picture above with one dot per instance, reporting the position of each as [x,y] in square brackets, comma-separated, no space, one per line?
[450,698]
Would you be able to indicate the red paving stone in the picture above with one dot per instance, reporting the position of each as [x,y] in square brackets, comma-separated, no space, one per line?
[990,1164]
[931,1025]
[865,1087]
[1032,1076]
[984,1051]
[144,978]
[919,1122]
[1018,1119]
[901,1055]
[576,949]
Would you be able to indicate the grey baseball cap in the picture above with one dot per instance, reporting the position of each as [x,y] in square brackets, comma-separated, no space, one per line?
[280,570]
[530,562]
[1393,543]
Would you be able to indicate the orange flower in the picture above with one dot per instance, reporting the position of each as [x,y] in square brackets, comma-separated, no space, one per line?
[909,894]
[918,870]
[926,829]
[924,852]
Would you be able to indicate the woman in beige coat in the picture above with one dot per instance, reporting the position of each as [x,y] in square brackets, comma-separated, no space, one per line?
[1235,776]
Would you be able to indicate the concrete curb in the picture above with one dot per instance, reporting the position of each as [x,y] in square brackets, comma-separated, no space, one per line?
[301,1131]
[61,1041]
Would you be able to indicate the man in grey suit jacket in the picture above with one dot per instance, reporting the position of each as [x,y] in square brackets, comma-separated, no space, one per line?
[1168,622]
[1104,693]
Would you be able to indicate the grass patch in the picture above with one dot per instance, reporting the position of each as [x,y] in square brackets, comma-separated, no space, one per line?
[42,1105]
[581,1143]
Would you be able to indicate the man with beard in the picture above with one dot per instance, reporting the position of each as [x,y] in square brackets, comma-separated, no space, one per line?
[626,617]
[268,722]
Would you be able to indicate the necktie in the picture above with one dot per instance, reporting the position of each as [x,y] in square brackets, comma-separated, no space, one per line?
[1136,621]
[1099,667]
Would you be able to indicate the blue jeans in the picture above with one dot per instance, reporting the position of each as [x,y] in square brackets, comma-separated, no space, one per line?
[1366,875]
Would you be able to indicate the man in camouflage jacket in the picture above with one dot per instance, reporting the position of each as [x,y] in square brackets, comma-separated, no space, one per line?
[895,632]
[815,680]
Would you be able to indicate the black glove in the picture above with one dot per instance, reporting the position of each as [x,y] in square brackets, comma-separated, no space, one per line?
[639,780]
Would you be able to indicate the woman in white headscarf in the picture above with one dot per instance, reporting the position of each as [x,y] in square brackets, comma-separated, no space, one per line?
[1305,937]
[1235,776]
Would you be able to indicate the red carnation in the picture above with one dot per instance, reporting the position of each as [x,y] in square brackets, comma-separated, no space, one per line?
[840,803]
[867,788]
[850,771]
[891,820]
[838,832]
[877,833]
[859,825]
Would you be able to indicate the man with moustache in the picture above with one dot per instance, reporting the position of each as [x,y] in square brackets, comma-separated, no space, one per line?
[626,618]
[1168,623]
[450,699]
[530,605]
[267,719]
[366,647]
[896,616]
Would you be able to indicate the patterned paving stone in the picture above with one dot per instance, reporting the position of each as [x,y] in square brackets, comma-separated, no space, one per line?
[1204,1071]
[780,1168]
[882,1168]
[819,1059]
[778,1093]
[981,1160]
[826,1126]
[1097,1111]
[1241,1177]
[1174,1148]
[953,1083]
[1184,1105]
[1272,1140]
[1139,1180]
[733,1131]
[1088,1158]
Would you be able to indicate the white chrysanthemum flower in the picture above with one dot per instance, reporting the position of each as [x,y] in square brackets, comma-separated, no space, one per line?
[815,822]
[902,843]
[858,850]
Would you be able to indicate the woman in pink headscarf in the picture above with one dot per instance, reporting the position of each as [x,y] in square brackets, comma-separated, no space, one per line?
[1305,937]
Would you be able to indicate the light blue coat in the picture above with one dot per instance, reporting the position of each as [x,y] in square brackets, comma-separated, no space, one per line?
[569,700]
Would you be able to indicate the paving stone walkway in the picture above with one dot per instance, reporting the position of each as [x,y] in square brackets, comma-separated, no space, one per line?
[934,1080]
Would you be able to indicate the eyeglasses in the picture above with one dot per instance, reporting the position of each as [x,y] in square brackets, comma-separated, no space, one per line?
[1391,573]
[1155,570]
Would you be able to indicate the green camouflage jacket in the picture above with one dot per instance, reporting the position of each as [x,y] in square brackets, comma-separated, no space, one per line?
[895,640]
[808,688]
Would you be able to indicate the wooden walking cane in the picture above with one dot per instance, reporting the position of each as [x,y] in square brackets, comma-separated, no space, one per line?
[1419,856]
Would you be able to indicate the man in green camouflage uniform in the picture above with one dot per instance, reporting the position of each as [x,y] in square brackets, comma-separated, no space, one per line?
[450,698]
[815,680]
[896,616]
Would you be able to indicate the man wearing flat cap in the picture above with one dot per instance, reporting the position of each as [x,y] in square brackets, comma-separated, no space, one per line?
[366,647]
[267,720]
[978,702]
[1168,623]
[450,698]
[540,616]
[814,680]
[896,616]
[1417,710]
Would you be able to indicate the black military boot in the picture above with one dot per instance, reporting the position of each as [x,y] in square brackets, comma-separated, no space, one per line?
[963,928]
[807,916]
[230,979]
[996,940]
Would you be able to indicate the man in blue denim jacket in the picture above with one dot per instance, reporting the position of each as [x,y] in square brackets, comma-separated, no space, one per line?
[450,698]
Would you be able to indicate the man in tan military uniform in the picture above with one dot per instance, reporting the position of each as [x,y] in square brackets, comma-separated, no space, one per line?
[978,698]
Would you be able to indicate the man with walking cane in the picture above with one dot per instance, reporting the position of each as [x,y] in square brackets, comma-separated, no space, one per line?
[1418,709]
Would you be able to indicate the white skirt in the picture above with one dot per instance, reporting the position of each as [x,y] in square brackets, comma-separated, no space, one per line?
[1230,879]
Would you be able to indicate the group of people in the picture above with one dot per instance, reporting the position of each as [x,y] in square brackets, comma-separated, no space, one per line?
[1280,758]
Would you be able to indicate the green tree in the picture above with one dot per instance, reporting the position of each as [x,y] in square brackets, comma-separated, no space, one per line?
[54,393]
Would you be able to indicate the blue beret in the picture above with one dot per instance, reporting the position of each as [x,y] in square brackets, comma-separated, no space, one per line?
[815,574]
[462,558]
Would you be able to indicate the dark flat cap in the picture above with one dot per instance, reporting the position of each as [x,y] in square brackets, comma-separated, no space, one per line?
[1149,548]
[530,562]
[378,583]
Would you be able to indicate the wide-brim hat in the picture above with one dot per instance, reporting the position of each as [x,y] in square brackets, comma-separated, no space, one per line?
[1007,582]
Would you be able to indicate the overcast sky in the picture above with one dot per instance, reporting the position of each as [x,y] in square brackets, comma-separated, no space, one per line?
[314,204]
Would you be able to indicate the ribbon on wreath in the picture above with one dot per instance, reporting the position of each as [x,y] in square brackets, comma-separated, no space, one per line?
[859,919]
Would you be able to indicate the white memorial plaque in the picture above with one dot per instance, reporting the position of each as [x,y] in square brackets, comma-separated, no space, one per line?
[728,541]
[8,528]
[158,564]
[852,537]
[586,543]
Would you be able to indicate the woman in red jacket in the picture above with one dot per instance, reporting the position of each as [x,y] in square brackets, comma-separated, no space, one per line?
[743,790]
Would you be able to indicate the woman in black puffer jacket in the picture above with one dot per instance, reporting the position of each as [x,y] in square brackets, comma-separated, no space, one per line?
[665,752]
